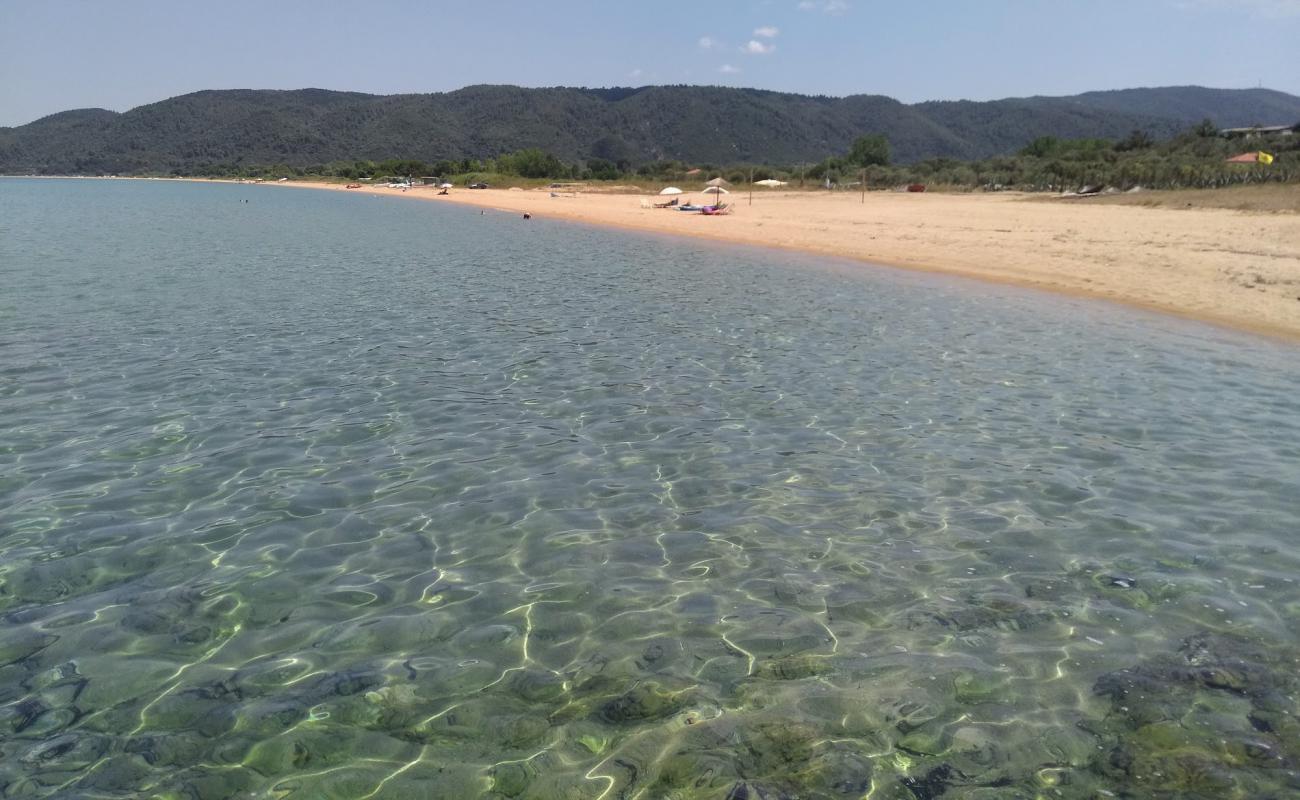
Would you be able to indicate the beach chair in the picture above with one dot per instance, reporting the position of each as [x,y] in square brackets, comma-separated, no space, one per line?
[645,204]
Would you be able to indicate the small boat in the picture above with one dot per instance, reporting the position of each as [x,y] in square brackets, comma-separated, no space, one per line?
[689,207]
[715,211]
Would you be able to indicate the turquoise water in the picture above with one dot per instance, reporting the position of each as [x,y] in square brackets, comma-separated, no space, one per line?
[322,495]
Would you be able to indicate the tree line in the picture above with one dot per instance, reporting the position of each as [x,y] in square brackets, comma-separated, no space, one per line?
[1195,158]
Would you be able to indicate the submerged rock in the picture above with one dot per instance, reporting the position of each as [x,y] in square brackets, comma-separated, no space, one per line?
[510,780]
[1218,718]
[537,686]
[643,702]
[997,612]
[792,668]
[22,643]
[922,744]
[973,688]
[931,784]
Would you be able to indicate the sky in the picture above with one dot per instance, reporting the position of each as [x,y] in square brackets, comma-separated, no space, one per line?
[118,54]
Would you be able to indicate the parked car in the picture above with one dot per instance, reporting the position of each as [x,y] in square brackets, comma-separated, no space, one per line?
[478,186]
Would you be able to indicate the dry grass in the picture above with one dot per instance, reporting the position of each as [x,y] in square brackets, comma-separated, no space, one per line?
[1275,198]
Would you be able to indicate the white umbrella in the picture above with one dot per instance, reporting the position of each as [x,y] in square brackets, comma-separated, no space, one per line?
[671,190]
[715,190]
[770,182]
[444,186]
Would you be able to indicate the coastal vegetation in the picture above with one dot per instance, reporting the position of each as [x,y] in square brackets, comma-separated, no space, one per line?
[611,134]
[1193,159]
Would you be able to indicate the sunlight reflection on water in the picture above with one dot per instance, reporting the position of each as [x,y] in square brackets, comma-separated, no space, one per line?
[324,496]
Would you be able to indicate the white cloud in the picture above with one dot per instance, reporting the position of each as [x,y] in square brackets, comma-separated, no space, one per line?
[636,73]
[727,69]
[708,43]
[767,31]
[756,48]
[834,7]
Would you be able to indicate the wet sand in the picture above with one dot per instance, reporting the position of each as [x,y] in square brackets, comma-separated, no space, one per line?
[1239,269]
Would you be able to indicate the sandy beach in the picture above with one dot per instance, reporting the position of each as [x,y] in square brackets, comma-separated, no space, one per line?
[1239,269]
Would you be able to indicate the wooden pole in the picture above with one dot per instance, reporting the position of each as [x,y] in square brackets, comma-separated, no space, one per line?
[864,186]
[751,187]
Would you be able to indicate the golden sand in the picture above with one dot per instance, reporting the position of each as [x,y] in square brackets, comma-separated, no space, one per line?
[1239,269]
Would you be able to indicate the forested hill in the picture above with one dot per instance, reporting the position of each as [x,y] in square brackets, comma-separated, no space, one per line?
[696,124]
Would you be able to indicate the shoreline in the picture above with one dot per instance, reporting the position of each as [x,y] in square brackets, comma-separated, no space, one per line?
[950,234]
[1237,270]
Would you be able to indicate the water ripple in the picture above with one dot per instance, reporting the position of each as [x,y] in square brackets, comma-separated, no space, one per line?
[322,496]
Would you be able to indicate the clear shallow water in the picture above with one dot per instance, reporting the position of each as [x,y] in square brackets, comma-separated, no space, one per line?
[333,496]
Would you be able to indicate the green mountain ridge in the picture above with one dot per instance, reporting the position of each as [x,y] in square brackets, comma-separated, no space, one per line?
[696,124]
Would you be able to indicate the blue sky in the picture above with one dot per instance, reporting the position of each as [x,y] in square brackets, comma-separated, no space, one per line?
[61,54]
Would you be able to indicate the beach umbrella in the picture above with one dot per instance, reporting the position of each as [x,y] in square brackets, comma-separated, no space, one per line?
[717,192]
[770,182]
[444,186]
[671,190]
[714,187]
